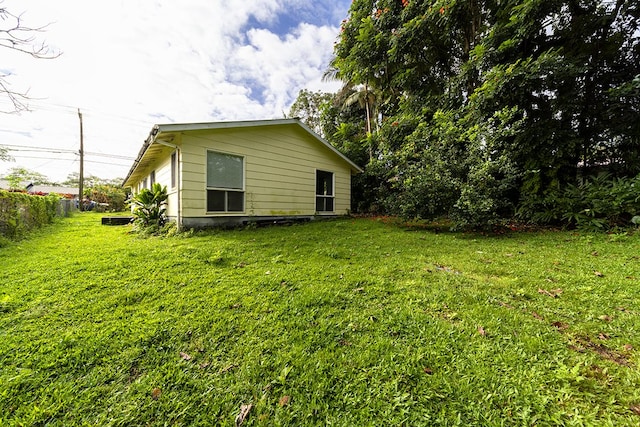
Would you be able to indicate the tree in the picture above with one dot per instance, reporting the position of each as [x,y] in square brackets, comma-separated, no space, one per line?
[18,37]
[494,101]
[4,155]
[19,175]
[308,107]
[73,179]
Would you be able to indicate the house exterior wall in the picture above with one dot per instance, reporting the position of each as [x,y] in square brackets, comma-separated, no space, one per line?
[162,171]
[280,164]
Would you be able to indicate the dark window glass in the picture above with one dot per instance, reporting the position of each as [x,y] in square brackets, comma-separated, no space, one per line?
[215,200]
[324,183]
[174,161]
[235,201]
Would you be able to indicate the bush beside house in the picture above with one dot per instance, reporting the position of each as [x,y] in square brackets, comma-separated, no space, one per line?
[20,212]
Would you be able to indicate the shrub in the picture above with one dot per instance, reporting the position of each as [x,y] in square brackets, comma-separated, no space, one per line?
[21,212]
[149,206]
[598,203]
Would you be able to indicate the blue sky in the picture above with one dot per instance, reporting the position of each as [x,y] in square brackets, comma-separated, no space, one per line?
[129,64]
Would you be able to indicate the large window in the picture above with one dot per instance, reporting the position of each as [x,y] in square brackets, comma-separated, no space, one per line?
[324,191]
[225,182]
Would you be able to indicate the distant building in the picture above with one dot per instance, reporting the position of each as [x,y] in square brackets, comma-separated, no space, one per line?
[48,189]
[6,185]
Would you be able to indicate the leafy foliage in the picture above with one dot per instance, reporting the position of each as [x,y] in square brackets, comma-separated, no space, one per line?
[114,196]
[150,205]
[492,102]
[19,175]
[4,155]
[599,203]
[20,212]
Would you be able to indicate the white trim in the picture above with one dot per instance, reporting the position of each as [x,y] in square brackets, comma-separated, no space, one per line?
[333,193]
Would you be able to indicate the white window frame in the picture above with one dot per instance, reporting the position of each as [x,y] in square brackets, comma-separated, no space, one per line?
[226,190]
[332,196]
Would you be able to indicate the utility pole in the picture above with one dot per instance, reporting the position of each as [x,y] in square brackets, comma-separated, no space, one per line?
[81,177]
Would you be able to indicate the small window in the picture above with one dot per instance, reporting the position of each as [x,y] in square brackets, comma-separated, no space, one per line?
[152,178]
[324,191]
[174,169]
[144,183]
[225,182]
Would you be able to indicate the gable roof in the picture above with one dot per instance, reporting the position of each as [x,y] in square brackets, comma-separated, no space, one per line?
[162,135]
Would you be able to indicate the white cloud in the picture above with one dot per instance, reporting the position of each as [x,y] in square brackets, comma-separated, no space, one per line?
[130,64]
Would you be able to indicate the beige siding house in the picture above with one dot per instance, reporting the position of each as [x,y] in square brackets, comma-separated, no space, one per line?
[247,171]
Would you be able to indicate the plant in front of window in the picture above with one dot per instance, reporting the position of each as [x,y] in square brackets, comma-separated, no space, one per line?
[150,205]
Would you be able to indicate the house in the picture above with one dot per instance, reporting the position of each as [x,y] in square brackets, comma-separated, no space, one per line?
[48,189]
[224,173]
[7,185]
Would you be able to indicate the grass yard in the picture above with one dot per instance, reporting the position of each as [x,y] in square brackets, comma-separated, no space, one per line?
[342,323]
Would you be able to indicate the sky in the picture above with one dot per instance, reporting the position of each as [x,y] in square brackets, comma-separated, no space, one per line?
[129,64]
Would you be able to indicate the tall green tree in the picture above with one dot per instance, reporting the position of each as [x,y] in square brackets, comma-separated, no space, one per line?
[495,102]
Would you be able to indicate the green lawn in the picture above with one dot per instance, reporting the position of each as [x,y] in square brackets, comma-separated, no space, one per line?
[346,323]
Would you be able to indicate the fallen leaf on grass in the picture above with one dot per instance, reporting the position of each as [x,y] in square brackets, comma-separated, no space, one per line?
[595,253]
[284,400]
[358,290]
[553,293]
[204,365]
[428,371]
[598,274]
[603,351]
[228,368]
[446,269]
[185,356]
[244,413]
[536,315]
[628,347]
[603,336]
[155,393]
[560,325]
[605,318]
[635,408]
[481,331]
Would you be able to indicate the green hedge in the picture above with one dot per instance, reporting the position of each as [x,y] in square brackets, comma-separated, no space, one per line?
[20,212]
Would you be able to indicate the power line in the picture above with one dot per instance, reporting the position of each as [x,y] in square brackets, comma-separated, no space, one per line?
[27,148]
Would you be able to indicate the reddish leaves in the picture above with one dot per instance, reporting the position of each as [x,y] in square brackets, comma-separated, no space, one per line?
[284,400]
[156,393]
[561,326]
